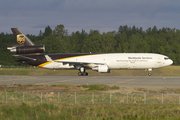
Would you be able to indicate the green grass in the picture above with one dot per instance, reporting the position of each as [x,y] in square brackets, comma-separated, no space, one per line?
[88,112]
[87,98]
[99,87]
[88,105]
[166,71]
[62,85]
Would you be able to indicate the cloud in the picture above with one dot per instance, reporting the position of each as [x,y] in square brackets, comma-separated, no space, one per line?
[103,15]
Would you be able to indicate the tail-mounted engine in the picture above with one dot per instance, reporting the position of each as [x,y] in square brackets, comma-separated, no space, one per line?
[27,49]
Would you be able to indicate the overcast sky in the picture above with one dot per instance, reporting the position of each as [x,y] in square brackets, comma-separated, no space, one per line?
[31,16]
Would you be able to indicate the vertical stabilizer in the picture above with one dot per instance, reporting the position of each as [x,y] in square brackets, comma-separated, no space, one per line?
[21,38]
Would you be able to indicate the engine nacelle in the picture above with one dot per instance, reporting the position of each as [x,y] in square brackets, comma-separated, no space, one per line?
[28,49]
[101,68]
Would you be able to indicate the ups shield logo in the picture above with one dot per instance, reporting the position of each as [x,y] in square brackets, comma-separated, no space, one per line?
[21,38]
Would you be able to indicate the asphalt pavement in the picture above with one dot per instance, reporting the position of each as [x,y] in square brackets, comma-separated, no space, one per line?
[151,81]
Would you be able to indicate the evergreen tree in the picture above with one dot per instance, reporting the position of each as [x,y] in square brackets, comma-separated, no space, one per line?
[47,31]
[128,39]
[60,30]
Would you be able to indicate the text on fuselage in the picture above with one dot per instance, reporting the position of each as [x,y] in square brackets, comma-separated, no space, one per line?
[140,58]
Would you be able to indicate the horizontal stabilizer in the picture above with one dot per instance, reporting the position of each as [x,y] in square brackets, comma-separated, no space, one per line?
[23,58]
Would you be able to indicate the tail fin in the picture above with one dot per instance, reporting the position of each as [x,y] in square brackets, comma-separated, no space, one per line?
[21,38]
[25,45]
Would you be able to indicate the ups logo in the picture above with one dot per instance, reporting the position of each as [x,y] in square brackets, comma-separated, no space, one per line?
[20,38]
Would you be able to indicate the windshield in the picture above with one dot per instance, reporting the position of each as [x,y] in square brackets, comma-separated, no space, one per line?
[166,58]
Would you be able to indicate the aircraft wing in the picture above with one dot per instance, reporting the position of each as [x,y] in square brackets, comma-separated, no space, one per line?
[79,63]
[73,62]
[23,58]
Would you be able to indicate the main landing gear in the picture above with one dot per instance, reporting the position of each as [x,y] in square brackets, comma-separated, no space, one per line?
[82,72]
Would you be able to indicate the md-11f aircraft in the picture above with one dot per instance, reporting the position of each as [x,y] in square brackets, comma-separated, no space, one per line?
[28,52]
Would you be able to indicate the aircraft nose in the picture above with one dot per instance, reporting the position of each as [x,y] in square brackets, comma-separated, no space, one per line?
[169,62]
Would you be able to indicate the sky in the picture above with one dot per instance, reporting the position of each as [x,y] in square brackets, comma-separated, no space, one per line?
[31,16]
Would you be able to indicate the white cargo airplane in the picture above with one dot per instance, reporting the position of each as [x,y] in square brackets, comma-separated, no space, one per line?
[102,62]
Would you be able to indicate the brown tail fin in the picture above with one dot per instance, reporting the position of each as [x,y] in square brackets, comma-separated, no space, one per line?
[21,38]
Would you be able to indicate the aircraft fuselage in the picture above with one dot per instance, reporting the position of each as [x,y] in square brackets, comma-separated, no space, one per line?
[112,60]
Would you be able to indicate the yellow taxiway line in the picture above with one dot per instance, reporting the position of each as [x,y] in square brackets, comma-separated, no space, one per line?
[21,78]
[122,82]
[60,81]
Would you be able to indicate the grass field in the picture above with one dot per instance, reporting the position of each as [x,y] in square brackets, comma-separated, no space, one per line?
[88,98]
[65,107]
[36,111]
[166,71]
[93,102]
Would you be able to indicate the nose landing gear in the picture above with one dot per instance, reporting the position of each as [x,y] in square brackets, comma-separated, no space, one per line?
[149,72]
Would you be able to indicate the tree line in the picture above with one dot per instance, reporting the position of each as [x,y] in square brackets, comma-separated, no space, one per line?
[127,39]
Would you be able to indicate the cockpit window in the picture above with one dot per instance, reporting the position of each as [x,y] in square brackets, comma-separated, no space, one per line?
[166,58]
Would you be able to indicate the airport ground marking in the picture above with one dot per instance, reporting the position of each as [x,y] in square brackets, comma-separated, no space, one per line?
[174,77]
[61,81]
[94,77]
[170,78]
[22,78]
[122,82]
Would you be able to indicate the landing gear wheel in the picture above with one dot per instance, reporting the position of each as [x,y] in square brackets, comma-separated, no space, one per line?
[85,74]
[80,74]
[149,74]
